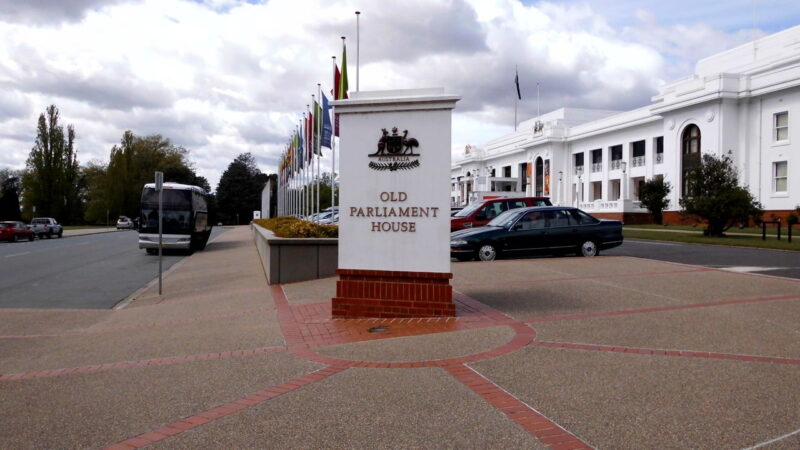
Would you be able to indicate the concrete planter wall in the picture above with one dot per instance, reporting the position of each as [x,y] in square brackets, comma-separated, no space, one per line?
[286,260]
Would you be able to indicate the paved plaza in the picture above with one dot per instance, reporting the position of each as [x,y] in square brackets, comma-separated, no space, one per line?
[606,352]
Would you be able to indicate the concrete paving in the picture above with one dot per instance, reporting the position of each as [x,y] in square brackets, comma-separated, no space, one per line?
[606,352]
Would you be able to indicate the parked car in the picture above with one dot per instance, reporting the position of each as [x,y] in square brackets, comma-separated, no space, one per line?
[454,210]
[124,223]
[15,231]
[553,229]
[46,226]
[480,213]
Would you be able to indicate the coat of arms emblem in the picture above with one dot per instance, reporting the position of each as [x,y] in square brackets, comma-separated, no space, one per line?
[395,151]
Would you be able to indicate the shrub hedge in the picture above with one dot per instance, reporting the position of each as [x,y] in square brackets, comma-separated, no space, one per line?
[292,227]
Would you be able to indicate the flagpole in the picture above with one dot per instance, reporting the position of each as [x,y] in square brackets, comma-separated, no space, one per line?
[537,100]
[516,99]
[358,45]
[319,146]
[333,141]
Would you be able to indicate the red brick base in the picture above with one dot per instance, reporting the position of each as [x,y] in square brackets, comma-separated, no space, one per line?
[384,294]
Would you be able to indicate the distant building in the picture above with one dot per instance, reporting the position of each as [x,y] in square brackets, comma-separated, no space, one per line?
[744,102]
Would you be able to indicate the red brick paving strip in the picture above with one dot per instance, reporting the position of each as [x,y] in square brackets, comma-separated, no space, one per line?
[625,312]
[145,362]
[213,414]
[662,352]
[547,431]
[144,325]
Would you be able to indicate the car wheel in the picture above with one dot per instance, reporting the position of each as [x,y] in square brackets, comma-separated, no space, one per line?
[588,249]
[487,253]
[15,238]
[30,238]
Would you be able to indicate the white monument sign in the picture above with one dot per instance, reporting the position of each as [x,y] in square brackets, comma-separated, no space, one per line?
[394,213]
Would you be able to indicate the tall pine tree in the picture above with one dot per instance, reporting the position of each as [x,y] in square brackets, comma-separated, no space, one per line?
[51,179]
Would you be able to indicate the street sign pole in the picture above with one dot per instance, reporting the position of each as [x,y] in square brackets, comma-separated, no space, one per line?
[160,189]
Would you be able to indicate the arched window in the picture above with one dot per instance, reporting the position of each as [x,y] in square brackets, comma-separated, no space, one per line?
[691,140]
[690,154]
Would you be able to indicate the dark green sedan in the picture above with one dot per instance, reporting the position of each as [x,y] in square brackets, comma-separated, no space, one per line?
[540,229]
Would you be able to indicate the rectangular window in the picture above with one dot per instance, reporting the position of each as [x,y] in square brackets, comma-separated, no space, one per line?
[637,148]
[779,171]
[578,159]
[597,156]
[660,144]
[507,171]
[616,152]
[781,126]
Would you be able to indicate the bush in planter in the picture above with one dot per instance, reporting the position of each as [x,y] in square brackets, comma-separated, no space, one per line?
[292,227]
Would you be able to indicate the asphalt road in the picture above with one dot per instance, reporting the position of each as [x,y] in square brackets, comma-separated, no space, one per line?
[752,260]
[91,271]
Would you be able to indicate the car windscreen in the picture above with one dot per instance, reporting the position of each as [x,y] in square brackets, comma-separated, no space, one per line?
[468,210]
[7,224]
[505,219]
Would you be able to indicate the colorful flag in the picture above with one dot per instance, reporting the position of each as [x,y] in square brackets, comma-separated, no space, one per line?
[318,128]
[310,135]
[516,81]
[326,122]
[343,77]
[337,76]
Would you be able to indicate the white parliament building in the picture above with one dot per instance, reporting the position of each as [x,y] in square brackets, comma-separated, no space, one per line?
[744,102]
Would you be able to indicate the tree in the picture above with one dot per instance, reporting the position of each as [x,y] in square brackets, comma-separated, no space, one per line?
[653,195]
[116,189]
[94,193]
[51,180]
[714,195]
[239,190]
[10,182]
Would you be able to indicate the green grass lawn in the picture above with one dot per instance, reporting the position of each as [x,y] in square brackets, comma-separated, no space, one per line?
[740,241]
[772,230]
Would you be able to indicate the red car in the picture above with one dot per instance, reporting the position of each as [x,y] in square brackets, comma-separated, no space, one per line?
[479,214]
[15,231]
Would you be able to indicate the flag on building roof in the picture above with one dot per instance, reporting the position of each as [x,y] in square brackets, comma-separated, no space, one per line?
[516,81]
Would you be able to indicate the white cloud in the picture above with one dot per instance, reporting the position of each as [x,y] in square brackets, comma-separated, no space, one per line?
[225,77]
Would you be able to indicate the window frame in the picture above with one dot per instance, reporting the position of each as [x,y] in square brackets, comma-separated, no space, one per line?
[775,178]
[776,128]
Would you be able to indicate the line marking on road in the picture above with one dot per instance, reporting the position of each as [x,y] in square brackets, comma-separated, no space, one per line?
[17,254]
[771,441]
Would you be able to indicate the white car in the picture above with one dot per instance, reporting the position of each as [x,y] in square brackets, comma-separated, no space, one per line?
[124,223]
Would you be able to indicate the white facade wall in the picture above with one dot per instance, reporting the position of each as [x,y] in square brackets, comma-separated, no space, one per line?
[732,98]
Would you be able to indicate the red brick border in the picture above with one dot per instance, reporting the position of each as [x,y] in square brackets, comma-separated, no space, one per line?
[227,409]
[662,352]
[534,422]
[145,362]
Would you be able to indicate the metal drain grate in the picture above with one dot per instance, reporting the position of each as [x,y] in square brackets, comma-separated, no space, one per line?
[378,329]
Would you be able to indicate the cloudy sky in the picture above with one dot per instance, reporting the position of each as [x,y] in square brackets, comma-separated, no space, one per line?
[223,77]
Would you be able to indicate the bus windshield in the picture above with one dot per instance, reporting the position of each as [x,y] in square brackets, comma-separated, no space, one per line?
[177,208]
